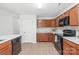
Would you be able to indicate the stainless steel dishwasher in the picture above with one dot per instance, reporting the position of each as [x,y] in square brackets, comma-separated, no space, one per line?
[16,45]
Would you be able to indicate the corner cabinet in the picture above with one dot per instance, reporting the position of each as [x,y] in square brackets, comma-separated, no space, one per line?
[70,48]
[73,12]
[6,48]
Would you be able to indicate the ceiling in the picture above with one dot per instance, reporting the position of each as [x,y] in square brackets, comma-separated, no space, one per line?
[47,10]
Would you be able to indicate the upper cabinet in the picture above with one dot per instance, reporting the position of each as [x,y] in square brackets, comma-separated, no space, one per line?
[69,18]
[46,23]
[57,22]
[66,14]
[74,16]
[53,23]
[41,23]
[61,16]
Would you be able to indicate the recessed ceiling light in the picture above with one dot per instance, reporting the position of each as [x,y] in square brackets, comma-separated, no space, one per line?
[39,5]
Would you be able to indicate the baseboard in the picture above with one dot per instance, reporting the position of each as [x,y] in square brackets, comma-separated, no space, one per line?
[28,42]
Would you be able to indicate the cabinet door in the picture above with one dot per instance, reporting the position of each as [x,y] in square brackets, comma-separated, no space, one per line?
[45,37]
[77,52]
[53,38]
[6,48]
[69,47]
[6,51]
[53,23]
[50,37]
[73,51]
[47,23]
[74,16]
[77,49]
[66,49]
[66,14]
[42,37]
[57,22]
[44,23]
[61,16]
[41,23]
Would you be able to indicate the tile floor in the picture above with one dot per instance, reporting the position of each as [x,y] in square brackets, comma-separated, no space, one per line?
[40,48]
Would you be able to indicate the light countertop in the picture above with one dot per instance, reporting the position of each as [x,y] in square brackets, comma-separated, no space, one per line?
[7,37]
[72,39]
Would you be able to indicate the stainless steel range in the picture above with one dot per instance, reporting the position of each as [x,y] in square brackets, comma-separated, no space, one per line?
[59,43]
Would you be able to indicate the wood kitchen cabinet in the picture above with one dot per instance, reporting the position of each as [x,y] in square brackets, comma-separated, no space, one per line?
[6,48]
[57,22]
[53,38]
[74,16]
[70,48]
[61,16]
[43,23]
[77,49]
[66,14]
[44,37]
[66,49]
[53,21]
[46,23]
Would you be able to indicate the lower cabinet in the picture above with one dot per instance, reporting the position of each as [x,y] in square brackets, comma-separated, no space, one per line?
[70,48]
[66,50]
[6,48]
[45,37]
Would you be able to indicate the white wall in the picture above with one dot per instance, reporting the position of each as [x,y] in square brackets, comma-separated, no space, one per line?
[16,28]
[6,25]
[6,22]
[28,28]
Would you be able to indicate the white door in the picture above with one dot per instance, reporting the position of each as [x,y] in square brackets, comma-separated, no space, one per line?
[28,28]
